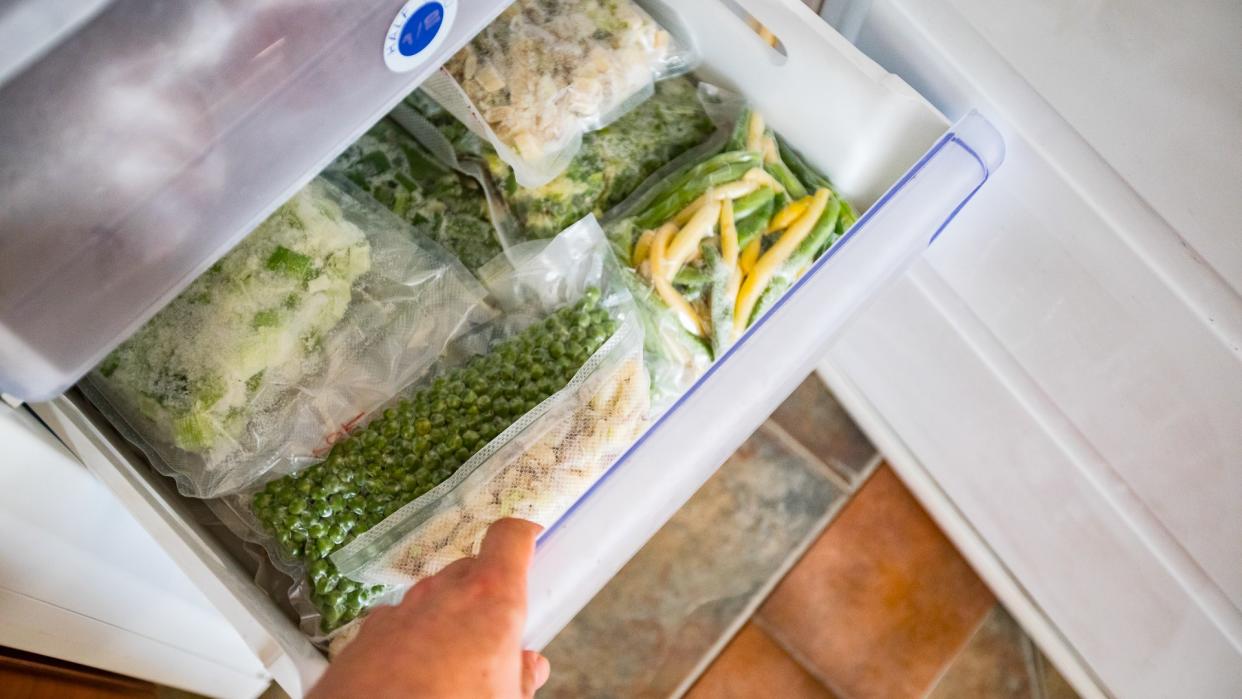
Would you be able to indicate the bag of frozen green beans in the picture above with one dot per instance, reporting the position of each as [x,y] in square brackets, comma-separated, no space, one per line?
[307,323]
[712,241]
[562,308]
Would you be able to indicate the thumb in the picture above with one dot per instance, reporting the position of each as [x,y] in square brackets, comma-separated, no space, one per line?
[535,671]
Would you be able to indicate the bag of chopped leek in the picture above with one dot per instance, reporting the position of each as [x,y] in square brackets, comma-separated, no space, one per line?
[562,306]
[545,72]
[309,322]
[406,164]
[549,457]
[711,242]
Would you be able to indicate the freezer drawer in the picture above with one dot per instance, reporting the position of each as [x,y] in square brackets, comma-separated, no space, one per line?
[870,127]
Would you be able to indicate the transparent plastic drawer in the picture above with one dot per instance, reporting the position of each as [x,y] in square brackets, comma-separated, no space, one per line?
[140,141]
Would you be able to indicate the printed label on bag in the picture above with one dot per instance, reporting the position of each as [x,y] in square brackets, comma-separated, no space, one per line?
[416,32]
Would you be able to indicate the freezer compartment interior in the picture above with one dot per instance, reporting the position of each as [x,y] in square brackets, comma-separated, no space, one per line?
[861,126]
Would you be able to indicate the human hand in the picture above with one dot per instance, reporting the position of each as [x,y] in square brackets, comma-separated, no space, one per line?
[457,633]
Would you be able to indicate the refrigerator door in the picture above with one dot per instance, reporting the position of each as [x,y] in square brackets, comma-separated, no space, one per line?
[141,142]
[1076,337]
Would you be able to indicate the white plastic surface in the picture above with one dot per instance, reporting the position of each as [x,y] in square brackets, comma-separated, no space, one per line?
[148,140]
[1075,341]
[579,554]
[81,581]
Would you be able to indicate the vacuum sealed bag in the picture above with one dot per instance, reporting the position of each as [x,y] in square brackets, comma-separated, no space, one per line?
[612,161]
[419,186]
[308,323]
[561,309]
[545,72]
[547,460]
[711,242]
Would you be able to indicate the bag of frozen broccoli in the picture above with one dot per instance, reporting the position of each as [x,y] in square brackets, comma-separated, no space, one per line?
[711,241]
[545,72]
[562,306]
[312,320]
[548,458]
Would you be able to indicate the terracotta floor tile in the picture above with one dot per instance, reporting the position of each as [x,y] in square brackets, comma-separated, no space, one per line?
[882,601]
[997,663]
[651,626]
[753,665]
[813,417]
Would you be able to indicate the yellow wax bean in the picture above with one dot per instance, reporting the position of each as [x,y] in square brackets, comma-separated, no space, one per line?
[789,214]
[758,278]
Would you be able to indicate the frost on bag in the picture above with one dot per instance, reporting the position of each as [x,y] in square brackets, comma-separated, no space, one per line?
[547,460]
[432,434]
[306,325]
[712,242]
[545,72]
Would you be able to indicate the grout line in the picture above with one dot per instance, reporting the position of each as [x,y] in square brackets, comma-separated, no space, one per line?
[873,464]
[838,480]
[961,650]
[797,656]
[1034,667]
[761,594]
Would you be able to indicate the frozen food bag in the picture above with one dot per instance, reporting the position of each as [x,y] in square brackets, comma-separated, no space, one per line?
[545,72]
[311,321]
[612,162]
[389,164]
[439,428]
[712,242]
[545,461]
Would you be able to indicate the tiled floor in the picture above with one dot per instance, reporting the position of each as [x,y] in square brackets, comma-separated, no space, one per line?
[706,569]
[800,570]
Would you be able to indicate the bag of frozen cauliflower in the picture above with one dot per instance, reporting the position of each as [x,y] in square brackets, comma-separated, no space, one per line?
[317,316]
[545,72]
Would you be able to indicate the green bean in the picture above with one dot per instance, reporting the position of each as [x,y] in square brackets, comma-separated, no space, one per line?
[675,201]
[821,236]
[691,278]
[799,167]
[755,224]
[781,172]
[720,301]
[749,204]
[737,139]
[720,160]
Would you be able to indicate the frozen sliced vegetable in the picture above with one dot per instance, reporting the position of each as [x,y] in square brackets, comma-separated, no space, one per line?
[613,161]
[445,204]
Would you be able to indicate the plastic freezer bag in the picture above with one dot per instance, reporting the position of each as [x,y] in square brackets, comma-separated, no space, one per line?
[538,474]
[612,161]
[547,71]
[713,241]
[435,430]
[307,324]
[545,461]
[398,171]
